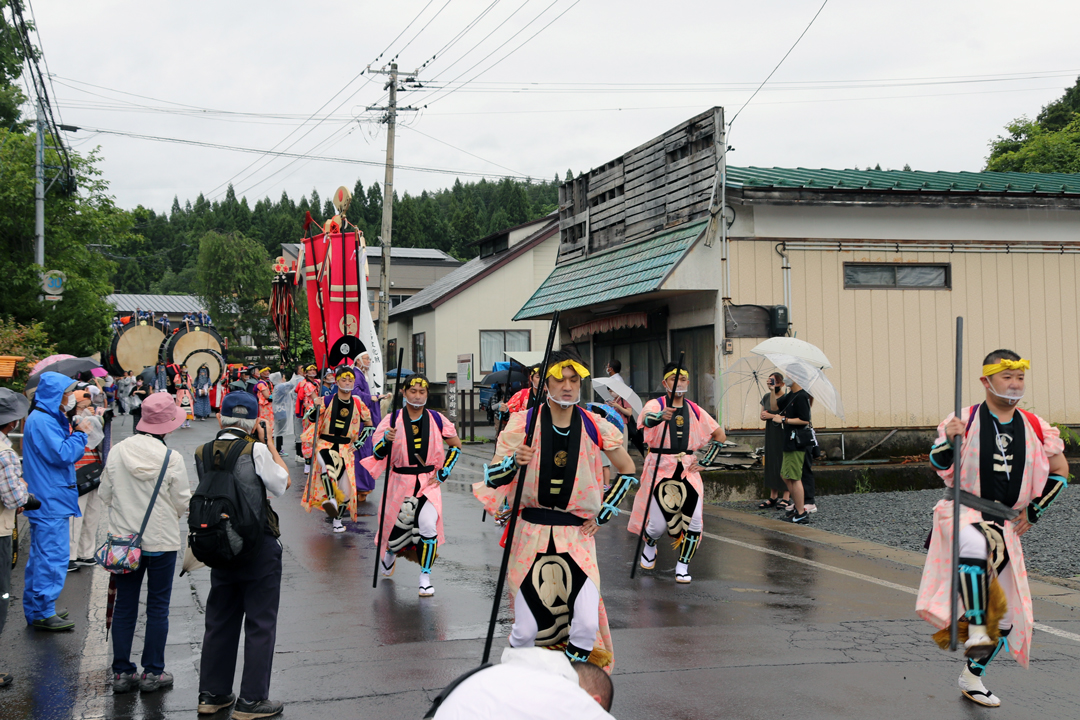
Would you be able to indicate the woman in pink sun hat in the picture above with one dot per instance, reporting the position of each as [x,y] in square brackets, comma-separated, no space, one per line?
[127,487]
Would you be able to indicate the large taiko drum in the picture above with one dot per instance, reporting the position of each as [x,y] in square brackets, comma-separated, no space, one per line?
[210,359]
[133,348]
[187,340]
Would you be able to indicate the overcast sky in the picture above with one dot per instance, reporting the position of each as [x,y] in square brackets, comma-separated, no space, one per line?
[923,83]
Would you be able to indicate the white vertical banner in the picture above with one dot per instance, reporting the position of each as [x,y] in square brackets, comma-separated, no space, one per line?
[368,335]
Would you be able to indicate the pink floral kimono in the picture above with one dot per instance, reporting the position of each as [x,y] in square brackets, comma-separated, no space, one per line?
[402,486]
[702,426]
[934,590]
[585,502]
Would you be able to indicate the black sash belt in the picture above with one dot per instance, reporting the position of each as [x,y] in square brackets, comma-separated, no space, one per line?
[667,451]
[336,439]
[544,516]
[989,507]
[414,469]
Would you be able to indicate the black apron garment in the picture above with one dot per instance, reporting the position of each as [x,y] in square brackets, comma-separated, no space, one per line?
[558,461]
[677,499]
[997,484]
[405,535]
[997,555]
[332,458]
[550,589]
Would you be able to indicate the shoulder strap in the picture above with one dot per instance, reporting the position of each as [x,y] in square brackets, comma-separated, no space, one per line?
[437,417]
[1033,419]
[694,407]
[592,429]
[662,400]
[157,489]
[971,417]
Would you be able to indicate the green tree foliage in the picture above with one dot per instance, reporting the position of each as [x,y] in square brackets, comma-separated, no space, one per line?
[1050,143]
[77,229]
[12,56]
[29,342]
[233,280]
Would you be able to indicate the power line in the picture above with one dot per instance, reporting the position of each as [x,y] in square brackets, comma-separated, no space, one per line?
[455,147]
[298,156]
[807,28]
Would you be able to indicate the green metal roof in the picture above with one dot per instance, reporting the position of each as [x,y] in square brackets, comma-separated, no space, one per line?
[906,180]
[626,270]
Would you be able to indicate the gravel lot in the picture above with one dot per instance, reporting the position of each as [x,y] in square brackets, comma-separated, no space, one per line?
[902,519]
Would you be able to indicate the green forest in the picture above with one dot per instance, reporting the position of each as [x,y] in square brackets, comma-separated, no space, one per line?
[161,255]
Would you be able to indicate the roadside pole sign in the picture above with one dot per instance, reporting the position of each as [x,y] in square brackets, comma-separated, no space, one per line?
[452,396]
[465,372]
[52,283]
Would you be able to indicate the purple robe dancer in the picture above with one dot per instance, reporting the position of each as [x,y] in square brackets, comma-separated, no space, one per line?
[365,483]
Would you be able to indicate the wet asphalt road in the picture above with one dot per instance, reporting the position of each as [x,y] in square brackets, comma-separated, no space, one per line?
[774,625]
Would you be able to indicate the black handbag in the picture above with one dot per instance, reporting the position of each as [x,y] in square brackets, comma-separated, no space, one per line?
[88,477]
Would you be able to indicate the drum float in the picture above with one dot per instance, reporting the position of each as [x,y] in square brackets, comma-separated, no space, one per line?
[187,340]
[210,359]
[133,348]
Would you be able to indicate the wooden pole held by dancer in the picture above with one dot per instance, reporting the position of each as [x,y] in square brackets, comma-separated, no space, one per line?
[664,434]
[956,443]
[386,475]
[516,507]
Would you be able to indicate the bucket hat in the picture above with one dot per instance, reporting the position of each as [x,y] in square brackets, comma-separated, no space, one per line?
[160,415]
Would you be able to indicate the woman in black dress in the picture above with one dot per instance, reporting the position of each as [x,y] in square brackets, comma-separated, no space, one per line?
[774,445]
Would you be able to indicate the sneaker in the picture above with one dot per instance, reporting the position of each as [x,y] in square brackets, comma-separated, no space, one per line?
[150,683]
[53,623]
[339,527]
[85,562]
[212,703]
[252,709]
[124,683]
[971,685]
[388,569]
[284,453]
[73,566]
[426,588]
[810,508]
[299,459]
[799,519]
[648,560]
[682,573]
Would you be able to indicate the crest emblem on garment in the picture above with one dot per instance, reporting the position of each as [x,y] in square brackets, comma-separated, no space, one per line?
[679,421]
[554,585]
[343,412]
[560,458]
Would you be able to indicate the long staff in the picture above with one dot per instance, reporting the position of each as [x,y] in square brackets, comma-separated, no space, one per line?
[389,463]
[956,487]
[656,468]
[512,522]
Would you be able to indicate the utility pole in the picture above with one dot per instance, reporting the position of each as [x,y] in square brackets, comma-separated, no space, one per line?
[388,199]
[39,189]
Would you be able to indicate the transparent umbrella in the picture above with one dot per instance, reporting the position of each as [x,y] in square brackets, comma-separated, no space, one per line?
[744,386]
[811,379]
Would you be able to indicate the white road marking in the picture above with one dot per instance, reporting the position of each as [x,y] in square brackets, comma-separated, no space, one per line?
[868,578]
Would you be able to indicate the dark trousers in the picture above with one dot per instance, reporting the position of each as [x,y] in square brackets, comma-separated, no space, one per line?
[245,597]
[807,479]
[5,578]
[158,570]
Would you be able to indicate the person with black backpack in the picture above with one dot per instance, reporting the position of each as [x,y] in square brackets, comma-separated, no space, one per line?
[233,529]
[794,416]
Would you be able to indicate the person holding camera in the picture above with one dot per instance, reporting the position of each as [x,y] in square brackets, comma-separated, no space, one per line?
[128,489]
[13,495]
[244,597]
[50,449]
[88,470]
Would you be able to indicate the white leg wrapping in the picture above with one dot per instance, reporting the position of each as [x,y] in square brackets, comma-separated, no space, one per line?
[523,633]
[657,526]
[428,522]
[586,620]
[972,543]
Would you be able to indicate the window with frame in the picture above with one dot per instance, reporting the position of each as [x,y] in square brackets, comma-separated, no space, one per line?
[494,343]
[419,353]
[897,276]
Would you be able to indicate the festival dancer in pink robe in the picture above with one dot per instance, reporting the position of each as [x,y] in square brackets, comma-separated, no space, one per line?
[553,577]
[678,496]
[412,441]
[1012,466]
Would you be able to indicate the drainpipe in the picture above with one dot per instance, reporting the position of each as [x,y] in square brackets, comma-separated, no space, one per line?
[785,266]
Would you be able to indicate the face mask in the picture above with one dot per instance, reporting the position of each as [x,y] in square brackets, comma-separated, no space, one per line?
[1010,399]
[70,403]
[564,404]
[415,405]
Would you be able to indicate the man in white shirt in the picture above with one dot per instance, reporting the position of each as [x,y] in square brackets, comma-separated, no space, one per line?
[245,596]
[529,683]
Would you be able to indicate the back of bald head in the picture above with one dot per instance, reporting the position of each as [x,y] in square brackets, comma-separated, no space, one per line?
[596,682]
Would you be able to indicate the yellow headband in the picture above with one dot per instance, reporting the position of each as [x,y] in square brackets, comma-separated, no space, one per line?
[343,373]
[415,381]
[555,371]
[309,368]
[265,369]
[1003,365]
[682,374]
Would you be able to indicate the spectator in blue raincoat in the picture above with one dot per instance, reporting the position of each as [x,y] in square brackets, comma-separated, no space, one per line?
[50,450]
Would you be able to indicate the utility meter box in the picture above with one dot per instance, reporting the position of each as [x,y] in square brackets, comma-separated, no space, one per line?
[778,320]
